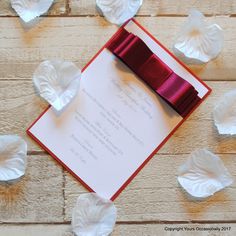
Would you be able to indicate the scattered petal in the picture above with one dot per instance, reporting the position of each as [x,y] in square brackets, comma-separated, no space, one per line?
[13,151]
[203,174]
[57,82]
[30,9]
[198,41]
[93,215]
[119,11]
[224,114]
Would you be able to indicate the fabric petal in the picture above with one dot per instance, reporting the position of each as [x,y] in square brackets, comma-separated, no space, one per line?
[30,9]
[203,174]
[198,41]
[57,82]
[93,215]
[224,114]
[13,154]
[119,11]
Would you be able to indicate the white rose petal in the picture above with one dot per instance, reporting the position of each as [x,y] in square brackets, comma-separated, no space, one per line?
[13,153]
[93,215]
[203,174]
[224,114]
[119,11]
[30,9]
[57,82]
[198,41]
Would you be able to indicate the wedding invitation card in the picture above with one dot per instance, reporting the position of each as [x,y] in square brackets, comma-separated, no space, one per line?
[116,123]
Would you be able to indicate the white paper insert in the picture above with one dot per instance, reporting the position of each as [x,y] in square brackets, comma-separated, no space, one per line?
[114,123]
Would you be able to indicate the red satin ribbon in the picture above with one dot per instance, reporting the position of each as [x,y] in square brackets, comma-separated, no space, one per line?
[176,91]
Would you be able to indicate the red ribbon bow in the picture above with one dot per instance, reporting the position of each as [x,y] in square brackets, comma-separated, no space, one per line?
[176,91]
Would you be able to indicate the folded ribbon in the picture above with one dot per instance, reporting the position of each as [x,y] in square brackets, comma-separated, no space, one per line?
[176,91]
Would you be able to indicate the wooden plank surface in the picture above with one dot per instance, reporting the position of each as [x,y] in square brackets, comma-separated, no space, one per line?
[47,193]
[58,8]
[38,197]
[155,195]
[149,7]
[162,7]
[20,106]
[22,50]
[124,229]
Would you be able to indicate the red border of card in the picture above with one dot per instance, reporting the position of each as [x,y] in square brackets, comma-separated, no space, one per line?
[162,143]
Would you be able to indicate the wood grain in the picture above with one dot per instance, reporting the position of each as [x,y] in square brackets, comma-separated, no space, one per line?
[162,7]
[149,8]
[132,230]
[22,50]
[58,8]
[35,230]
[38,197]
[20,106]
[42,201]
[155,195]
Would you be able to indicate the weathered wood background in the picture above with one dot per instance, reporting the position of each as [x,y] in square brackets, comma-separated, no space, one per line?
[41,203]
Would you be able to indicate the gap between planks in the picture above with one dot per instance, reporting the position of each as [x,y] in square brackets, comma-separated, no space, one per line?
[67,7]
[65,15]
[156,222]
[35,153]
[28,79]
[64,194]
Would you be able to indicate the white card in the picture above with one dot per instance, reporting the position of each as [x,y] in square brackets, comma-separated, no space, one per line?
[115,123]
